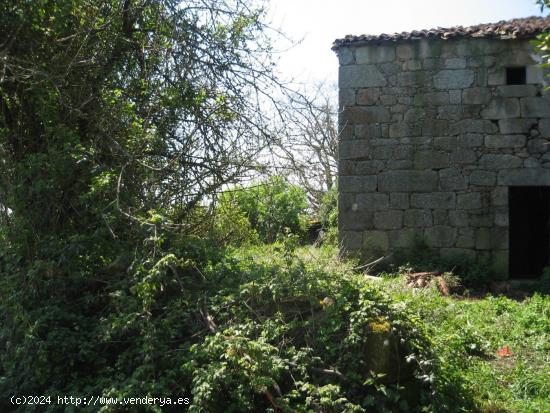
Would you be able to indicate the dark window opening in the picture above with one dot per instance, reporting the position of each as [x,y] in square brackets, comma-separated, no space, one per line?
[516,76]
[529,230]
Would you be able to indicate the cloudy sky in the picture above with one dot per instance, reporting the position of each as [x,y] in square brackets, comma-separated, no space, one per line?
[317,23]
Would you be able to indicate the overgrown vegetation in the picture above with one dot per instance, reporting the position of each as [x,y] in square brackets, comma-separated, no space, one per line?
[494,347]
[134,262]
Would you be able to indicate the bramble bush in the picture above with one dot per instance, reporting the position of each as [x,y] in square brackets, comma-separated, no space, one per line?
[273,208]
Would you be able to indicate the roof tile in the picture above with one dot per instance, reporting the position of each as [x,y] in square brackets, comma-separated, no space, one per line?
[523,28]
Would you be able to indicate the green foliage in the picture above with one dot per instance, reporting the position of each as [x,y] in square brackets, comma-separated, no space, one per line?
[328,216]
[273,208]
[466,335]
[542,43]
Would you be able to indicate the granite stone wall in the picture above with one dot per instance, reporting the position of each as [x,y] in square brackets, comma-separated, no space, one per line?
[432,138]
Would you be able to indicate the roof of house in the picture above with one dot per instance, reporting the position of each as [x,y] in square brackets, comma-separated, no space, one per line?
[523,28]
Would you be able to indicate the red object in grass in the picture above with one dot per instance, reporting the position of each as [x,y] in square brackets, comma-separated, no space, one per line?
[504,352]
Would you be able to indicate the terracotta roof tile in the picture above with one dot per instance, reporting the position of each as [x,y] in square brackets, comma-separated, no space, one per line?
[523,28]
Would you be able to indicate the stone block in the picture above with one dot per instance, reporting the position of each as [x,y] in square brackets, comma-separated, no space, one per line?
[391,219]
[524,177]
[458,253]
[346,97]
[374,54]
[402,238]
[508,126]
[463,157]
[399,200]
[502,219]
[435,200]
[450,112]
[403,129]
[536,146]
[388,100]
[354,220]
[359,76]
[501,108]
[368,131]
[516,91]
[373,201]
[440,236]
[416,78]
[366,114]
[351,240]
[452,180]
[390,69]
[500,263]
[431,160]
[421,218]
[535,107]
[441,216]
[415,115]
[435,127]
[476,96]
[453,79]
[496,76]
[445,143]
[470,200]
[483,178]
[534,74]
[505,141]
[382,152]
[431,99]
[407,181]
[375,242]
[346,168]
[368,167]
[455,63]
[480,218]
[483,239]
[354,149]
[403,152]
[458,218]
[470,140]
[473,126]
[345,56]
[410,65]
[544,127]
[405,51]
[368,96]
[466,238]
[399,164]
[531,163]
[357,183]
[478,47]
[455,97]
[496,162]
[499,196]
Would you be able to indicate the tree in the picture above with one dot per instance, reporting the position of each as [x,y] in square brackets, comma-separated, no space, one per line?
[117,118]
[308,147]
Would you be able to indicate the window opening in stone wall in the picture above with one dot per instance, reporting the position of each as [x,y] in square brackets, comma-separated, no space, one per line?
[529,230]
[516,75]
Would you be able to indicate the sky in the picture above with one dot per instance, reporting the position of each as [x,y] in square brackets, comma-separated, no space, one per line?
[315,24]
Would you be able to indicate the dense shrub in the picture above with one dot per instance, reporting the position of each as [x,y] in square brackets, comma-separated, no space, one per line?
[254,331]
[273,207]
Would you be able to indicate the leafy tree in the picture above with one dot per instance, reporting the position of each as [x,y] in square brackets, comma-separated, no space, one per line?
[117,119]
[272,207]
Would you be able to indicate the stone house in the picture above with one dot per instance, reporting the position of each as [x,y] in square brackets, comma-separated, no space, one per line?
[445,138]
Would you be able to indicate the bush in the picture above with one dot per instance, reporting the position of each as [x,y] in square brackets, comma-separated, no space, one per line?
[273,207]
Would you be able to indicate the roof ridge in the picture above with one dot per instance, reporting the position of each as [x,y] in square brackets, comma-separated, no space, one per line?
[523,27]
